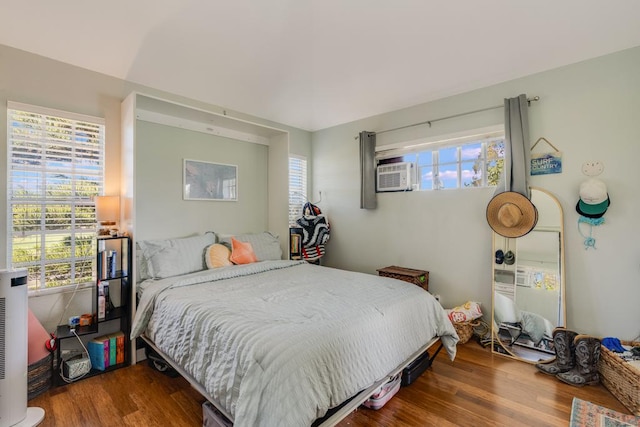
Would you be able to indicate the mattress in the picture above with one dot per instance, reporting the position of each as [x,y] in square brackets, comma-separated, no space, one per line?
[281,342]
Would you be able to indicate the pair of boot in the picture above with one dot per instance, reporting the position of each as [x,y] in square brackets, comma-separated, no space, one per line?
[577,358]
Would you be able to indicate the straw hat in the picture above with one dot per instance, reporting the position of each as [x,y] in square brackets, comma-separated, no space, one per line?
[511,214]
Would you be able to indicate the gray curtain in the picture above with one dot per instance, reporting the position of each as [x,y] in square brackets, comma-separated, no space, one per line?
[517,154]
[368,170]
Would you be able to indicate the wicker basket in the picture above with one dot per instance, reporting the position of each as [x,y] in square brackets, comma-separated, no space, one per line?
[620,378]
[465,330]
[39,377]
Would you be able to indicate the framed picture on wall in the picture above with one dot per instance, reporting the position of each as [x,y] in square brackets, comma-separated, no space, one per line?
[209,181]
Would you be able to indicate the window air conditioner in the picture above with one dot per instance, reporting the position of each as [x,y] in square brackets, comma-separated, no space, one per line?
[394,177]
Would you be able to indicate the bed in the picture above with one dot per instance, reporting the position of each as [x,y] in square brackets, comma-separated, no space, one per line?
[279,342]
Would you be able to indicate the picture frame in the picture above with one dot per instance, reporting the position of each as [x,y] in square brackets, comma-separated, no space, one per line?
[209,181]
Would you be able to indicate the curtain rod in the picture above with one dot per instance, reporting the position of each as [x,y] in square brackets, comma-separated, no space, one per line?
[529,100]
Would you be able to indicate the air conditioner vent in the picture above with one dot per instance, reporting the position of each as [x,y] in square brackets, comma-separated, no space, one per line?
[395,177]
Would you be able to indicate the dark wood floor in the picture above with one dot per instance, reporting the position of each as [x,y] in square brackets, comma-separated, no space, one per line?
[477,389]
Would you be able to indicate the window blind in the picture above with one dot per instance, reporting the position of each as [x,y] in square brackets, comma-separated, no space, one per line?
[297,188]
[55,168]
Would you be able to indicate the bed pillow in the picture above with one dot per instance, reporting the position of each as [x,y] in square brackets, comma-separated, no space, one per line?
[217,255]
[142,270]
[265,245]
[242,252]
[173,257]
[505,309]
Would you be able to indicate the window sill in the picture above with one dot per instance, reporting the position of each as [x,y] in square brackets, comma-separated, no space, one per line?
[59,290]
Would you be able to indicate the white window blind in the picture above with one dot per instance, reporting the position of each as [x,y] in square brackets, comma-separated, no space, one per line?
[55,168]
[297,187]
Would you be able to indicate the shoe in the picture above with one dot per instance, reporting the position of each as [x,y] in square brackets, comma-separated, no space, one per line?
[585,372]
[565,353]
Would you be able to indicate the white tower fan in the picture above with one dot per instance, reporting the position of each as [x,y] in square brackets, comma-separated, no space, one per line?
[14,352]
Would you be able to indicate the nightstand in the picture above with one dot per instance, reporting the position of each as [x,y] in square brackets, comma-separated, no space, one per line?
[417,277]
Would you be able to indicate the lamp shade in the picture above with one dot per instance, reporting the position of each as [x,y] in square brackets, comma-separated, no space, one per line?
[107,208]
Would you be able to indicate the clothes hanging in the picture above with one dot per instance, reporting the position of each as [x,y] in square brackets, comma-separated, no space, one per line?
[315,232]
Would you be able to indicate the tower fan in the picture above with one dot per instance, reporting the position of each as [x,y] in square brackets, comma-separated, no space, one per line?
[14,352]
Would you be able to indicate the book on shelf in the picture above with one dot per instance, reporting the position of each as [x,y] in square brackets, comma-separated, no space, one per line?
[107,264]
[98,349]
[119,354]
[107,350]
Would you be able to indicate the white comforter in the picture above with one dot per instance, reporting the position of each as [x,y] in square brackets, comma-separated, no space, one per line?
[278,343]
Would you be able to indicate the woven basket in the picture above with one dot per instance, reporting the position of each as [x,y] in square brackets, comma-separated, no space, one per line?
[620,378]
[39,377]
[465,330]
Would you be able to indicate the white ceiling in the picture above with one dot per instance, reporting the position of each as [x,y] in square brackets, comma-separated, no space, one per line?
[313,64]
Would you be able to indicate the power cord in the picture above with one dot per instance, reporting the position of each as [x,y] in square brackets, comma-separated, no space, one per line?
[51,344]
[75,290]
[70,380]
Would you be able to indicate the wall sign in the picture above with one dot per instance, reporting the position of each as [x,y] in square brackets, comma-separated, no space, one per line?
[546,163]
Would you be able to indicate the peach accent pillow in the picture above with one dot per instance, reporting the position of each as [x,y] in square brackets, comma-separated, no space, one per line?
[217,255]
[242,253]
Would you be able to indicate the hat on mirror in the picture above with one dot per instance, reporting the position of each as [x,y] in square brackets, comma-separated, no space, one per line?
[509,258]
[511,214]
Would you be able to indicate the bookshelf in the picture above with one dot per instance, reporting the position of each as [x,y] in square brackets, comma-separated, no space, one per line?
[295,243]
[110,307]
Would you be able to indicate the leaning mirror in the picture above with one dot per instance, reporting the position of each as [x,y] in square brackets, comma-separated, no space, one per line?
[529,285]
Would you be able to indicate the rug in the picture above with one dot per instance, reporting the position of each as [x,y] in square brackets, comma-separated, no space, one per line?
[587,414]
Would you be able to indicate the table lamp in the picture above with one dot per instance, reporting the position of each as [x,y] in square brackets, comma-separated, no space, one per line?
[107,214]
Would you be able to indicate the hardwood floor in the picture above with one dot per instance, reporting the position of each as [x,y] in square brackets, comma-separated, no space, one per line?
[477,389]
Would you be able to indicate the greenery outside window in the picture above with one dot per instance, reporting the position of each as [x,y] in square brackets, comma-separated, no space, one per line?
[55,168]
[464,162]
[297,187]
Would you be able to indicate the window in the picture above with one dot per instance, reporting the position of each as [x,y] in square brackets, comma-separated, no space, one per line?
[463,162]
[297,187]
[55,167]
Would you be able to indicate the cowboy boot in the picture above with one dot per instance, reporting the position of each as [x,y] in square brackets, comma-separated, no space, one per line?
[564,348]
[587,356]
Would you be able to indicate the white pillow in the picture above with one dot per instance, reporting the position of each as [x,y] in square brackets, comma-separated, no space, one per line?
[505,310]
[265,245]
[173,257]
[142,264]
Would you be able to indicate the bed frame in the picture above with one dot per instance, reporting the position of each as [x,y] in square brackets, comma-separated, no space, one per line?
[334,416]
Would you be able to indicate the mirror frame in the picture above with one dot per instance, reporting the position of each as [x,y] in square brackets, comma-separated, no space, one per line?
[563,306]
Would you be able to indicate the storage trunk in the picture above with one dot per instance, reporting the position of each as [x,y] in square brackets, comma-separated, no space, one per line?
[415,369]
[211,417]
[384,394]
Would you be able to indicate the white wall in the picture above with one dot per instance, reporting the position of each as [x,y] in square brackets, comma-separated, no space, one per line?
[159,187]
[33,79]
[588,110]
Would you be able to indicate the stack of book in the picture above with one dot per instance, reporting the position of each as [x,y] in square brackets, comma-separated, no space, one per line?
[106,351]
[107,264]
